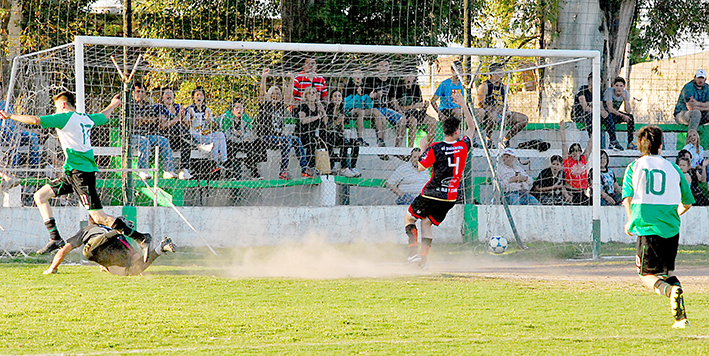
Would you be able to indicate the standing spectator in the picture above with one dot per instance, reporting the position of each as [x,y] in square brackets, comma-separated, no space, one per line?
[382,88]
[582,111]
[550,186]
[515,181]
[148,127]
[491,98]
[692,107]
[171,118]
[653,212]
[694,147]
[311,120]
[359,104]
[236,125]
[269,126]
[575,169]
[411,103]
[447,108]
[307,78]
[407,181]
[202,128]
[335,138]
[14,135]
[614,97]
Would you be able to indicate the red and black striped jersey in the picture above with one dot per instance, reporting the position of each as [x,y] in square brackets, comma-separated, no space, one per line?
[447,160]
[301,82]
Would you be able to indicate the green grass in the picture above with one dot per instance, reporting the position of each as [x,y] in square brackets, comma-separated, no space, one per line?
[188,307]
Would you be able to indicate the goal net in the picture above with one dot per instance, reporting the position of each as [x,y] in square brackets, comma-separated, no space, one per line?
[298,125]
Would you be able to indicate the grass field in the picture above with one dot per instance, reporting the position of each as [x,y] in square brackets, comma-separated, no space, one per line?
[467,303]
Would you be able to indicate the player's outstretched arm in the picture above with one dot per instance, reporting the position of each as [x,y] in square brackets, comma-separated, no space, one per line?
[25,119]
[58,258]
[115,102]
[460,101]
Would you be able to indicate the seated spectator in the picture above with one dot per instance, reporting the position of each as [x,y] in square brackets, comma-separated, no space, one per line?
[613,98]
[203,129]
[311,120]
[269,127]
[697,179]
[236,125]
[550,186]
[13,136]
[407,181]
[575,169]
[336,140]
[491,101]
[694,147]
[692,107]
[172,124]
[410,101]
[515,181]
[146,134]
[360,105]
[447,108]
[611,192]
[381,88]
[582,111]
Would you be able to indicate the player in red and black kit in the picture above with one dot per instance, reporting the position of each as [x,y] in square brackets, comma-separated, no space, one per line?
[440,193]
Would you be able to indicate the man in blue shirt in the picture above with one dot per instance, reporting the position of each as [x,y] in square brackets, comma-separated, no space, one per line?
[447,108]
[692,107]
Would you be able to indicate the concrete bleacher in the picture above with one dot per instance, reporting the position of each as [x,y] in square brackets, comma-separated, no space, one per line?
[368,190]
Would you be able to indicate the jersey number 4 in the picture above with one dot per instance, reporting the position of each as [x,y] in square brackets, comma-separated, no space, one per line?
[454,162]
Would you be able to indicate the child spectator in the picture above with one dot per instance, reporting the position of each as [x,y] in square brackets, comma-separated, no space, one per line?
[575,170]
[202,128]
[696,177]
[550,187]
[171,124]
[611,192]
[236,125]
[311,120]
[515,181]
[269,127]
[614,97]
[335,138]
[694,147]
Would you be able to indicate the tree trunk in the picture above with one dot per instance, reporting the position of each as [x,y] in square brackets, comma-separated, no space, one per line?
[618,18]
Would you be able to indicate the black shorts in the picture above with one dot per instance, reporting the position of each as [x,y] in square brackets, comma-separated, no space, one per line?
[435,210]
[81,183]
[656,255]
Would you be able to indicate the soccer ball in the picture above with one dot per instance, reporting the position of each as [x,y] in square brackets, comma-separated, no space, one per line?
[498,244]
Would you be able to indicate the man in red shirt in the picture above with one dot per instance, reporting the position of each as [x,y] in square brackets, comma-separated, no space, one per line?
[308,78]
[447,159]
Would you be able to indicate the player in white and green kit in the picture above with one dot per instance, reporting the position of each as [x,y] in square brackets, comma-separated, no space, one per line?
[74,132]
[655,194]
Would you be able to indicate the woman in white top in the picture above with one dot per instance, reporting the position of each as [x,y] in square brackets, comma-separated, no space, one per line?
[202,127]
[694,147]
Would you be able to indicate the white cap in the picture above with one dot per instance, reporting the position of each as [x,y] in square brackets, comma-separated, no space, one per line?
[508,151]
[701,74]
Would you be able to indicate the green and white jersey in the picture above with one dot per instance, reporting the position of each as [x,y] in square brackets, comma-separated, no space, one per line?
[74,132]
[656,186]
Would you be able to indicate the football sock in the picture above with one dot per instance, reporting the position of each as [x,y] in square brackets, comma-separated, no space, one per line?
[413,235]
[120,225]
[425,246]
[663,288]
[51,225]
[673,281]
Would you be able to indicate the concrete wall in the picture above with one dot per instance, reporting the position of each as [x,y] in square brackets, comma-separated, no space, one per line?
[253,226]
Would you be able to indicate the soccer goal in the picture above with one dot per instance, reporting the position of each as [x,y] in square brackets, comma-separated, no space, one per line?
[317,125]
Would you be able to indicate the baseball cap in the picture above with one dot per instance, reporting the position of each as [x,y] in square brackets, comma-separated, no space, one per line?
[701,73]
[509,151]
